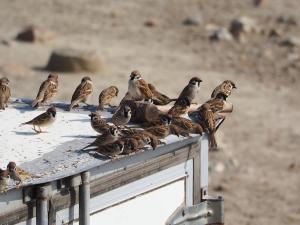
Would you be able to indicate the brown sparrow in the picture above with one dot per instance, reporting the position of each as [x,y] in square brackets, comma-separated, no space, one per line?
[43,120]
[131,145]
[3,180]
[106,96]
[162,131]
[207,120]
[111,150]
[187,125]
[4,93]
[108,137]
[13,173]
[159,98]
[138,88]
[190,91]
[180,108]
[82,92]
[223,90]
[98,124]
[122,116]
[48,89]
[143,137]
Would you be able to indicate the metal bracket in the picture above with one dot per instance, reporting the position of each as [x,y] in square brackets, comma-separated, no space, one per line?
[210,211]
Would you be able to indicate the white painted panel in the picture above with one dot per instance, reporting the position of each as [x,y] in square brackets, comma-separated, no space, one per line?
[152,208]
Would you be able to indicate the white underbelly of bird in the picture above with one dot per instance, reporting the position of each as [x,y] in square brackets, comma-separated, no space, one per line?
[133,90]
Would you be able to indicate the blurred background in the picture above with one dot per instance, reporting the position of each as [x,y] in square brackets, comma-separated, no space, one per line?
[254,43]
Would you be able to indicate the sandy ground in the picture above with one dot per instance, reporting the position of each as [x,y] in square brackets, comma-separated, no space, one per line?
[261,136]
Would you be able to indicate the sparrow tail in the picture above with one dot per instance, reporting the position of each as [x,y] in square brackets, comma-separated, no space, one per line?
[35,104]
[212,141]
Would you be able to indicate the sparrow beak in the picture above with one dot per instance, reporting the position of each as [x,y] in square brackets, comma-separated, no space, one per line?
[234,87]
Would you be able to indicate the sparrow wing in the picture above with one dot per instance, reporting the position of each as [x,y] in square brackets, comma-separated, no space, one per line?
[216,104]
[40,119]
[143,86]
[40,96]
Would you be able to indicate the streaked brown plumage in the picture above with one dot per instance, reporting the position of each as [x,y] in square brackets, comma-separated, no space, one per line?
[13,173]
[111,150]
[224,89]
[122,116]
[131,145]
[3,180]
[43,119]
[187,125]
[82,92]
[108,137]
[48,89]
[159,98]
[5,93]
[138,88]
[106,96]
[162,131]
[215,104]
[190,91]
[180,108]
[98,124]
[207,120]
[143,137]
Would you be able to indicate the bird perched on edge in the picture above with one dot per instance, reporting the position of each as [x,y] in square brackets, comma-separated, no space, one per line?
[207,121]
[190,91]
[108,137]
[4,92]
[3,180]
[180,108]
[98,124]
[138,88]
[48,89]
[162,131]
[43,120]
[106,96]
[111,150]
[187,125]
[82,92]
[224,89]
[13,173]
[122,116]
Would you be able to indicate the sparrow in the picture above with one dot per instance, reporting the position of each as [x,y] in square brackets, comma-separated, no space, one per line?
[159,98]
[106,96]
[42,120]
[82,92]
[3,180]
[122,116]
[187,125]
[207,120]
[48,89]
[190,91]
[108,137]
[98,124]
[138,88]
[131,145]
[180,108]
[111,150]
[13,173]
[4,93]
[224,89]
[162,131]
[143,137]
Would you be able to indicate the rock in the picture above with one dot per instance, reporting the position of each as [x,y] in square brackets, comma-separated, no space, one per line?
[286,19]
[15,69]
[290,41]
[151,23]
[258,3]
[275,33]
[193,20]
[35,34]
[221,34]
[74,60]
[242,25]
